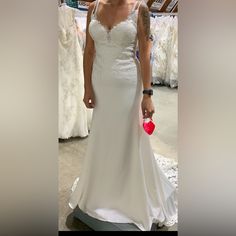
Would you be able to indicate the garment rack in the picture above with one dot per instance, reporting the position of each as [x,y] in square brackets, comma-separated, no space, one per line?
[164,14]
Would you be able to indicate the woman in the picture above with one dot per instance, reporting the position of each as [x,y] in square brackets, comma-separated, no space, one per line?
[121,181]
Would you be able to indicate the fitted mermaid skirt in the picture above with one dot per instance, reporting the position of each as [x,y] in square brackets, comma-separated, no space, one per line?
[121,181]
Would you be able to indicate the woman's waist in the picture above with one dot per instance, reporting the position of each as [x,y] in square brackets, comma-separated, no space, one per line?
[114,63]
[118,72]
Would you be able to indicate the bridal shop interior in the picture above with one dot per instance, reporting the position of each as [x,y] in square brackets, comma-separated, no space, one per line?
[75,119]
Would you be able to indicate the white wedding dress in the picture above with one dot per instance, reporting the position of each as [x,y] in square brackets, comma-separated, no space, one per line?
[172,66]
[121,180]
[74,118]
[165,50]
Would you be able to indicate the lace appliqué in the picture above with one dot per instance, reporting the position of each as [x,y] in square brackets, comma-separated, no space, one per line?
[169,167]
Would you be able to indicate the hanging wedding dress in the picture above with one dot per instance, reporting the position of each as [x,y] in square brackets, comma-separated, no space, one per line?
[81,19]
[171,77]
[121,180]
[165,50]
[160,30]
[73,118]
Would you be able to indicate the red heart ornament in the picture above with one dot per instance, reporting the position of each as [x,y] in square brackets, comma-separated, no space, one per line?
[148,126]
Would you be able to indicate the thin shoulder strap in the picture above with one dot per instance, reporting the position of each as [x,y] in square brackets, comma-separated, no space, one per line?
[96,8]
[140,2]
[136,10]
[137,5]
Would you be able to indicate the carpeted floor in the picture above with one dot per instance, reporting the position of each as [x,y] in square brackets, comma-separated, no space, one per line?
[72,152]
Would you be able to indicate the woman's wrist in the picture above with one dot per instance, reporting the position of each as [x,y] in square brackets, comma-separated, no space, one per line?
[146,96]
[88,86]
[148,92]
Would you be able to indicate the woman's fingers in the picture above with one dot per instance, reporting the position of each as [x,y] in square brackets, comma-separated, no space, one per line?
[151,113]
[145,114]
[89,103]
[148,113]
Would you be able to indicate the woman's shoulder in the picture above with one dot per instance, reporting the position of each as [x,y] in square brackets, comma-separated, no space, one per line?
[142,5]
[142,8]
[92,5]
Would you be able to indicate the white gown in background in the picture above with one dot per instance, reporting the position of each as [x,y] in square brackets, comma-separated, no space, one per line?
[160,31]
[121,180]
[172,64]
[81,19]
[165,50]
[73,118]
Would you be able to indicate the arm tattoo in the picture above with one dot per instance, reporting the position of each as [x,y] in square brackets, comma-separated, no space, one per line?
[146,21]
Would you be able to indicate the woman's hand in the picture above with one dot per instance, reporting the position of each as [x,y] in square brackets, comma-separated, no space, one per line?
[89,98]
[147,107]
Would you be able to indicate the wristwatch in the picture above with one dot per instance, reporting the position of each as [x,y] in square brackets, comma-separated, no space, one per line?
[148,92]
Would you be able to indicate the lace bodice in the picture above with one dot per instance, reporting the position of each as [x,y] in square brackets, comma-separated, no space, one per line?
[122,37]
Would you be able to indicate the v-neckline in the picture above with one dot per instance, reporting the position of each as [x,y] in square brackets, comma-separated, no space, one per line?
[110,29]
[115,25]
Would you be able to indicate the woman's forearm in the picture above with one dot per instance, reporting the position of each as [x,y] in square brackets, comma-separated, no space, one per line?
[88,52]
[145,67]
[88,66]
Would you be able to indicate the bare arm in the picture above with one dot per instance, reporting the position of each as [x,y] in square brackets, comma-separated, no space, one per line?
[89,52]
[144,45]
[144,56]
